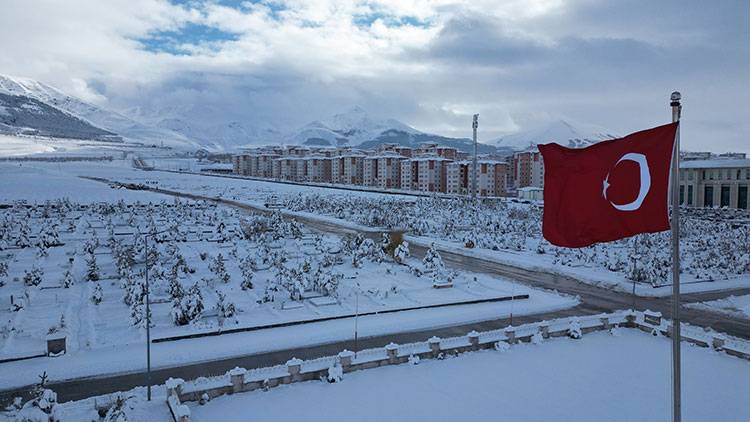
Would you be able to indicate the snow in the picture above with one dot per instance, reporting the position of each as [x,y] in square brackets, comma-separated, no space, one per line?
[717,163]
[98,116]
[562,131]
[600,377]
[738,306]
[103,337]
[14,146]
[516,232]
[35,182]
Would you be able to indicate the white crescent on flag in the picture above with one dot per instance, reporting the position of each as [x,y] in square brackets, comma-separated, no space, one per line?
[645,181]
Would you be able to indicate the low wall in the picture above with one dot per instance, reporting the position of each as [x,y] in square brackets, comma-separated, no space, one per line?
[295,370]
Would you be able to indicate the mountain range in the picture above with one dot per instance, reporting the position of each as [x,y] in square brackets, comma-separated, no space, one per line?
[28,106]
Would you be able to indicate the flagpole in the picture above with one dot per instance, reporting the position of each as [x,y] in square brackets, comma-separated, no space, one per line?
[675,223]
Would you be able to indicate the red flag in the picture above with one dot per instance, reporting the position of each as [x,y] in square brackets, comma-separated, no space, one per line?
[608,191]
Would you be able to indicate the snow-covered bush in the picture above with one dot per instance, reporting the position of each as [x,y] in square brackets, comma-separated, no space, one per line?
[574,329]
[92,269]
[219,269]
[502,346]
[402,252]
[335,373]
[224,307]
[432,260]
[96,294]
[189,307]
[3,273]
[367,249]
[33,277]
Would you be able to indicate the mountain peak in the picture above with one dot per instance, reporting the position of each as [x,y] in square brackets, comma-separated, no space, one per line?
[562,131]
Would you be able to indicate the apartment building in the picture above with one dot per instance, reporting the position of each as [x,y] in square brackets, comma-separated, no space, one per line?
[528,169]
[317,168]
[491,177]
[425,173]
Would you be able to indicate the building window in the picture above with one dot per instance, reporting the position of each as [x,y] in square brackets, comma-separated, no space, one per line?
[690,195]
[690,175]
[682,194]
[742,197]
[724,195]
[708,196]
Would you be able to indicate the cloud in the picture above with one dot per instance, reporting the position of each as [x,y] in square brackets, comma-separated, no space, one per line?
[431,63]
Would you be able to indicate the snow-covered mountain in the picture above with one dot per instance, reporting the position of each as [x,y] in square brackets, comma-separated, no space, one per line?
[96,116]
[352,127]
[22,115]
[356,127]
[213,127]
[563,132]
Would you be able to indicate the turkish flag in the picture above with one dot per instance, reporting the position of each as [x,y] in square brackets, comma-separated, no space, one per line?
[608,191]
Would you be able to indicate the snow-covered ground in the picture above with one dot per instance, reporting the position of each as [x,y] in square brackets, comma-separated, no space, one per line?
[733,305]
[620,377]
[715,255]
[75,252]
[599,378]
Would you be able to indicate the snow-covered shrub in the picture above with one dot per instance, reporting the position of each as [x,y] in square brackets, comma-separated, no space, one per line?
[219,269]
[402,252]
[367,250]
[92,269]
[33,277]
[574,329]
[119,410]
[413,359]
[224,307]
[432,260]
[502,346]
[96,294]
[335,373]
[3,273]
[189,307]
[537,338]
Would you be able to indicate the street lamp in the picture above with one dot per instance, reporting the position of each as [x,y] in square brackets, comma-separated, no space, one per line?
[148,318]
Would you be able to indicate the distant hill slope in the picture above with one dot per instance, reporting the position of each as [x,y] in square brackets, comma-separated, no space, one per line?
[23,115]
[357,128]
[94,115]
[393,136]
[563,132]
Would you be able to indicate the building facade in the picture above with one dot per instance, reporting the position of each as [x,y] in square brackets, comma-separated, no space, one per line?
[722,182]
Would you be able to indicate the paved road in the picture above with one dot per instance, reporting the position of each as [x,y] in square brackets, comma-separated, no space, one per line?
[593,300]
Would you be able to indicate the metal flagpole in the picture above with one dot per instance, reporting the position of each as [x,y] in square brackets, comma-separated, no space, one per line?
[474,184]
[676,394]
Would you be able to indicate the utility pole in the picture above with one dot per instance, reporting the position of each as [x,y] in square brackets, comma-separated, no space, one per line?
[676,364]
[474,183]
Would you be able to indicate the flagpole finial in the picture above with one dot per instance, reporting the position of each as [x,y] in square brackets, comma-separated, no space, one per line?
[675,97]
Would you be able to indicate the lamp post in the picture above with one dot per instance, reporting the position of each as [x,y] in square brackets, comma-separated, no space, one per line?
[474,183]
[148,318]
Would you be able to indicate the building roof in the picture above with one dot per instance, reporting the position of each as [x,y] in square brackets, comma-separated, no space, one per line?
[716,163]
[480,161]
[530,189]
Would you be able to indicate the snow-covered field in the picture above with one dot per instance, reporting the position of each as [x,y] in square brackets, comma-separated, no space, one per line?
[602,377]
[714,254]
[77,266]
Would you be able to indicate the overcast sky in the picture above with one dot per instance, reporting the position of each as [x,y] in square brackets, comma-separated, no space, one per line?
[430,64]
